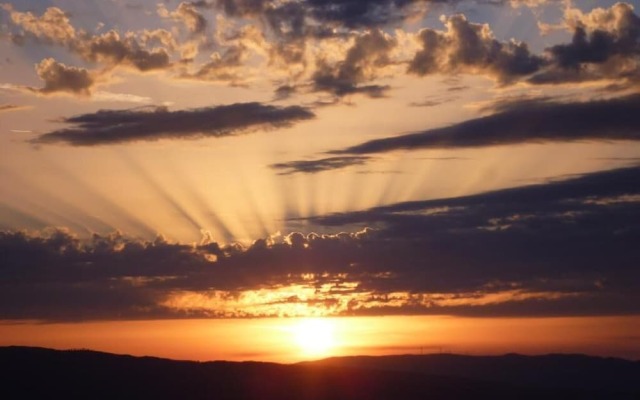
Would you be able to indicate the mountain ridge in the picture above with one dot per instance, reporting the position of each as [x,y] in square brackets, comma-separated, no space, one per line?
[36,372]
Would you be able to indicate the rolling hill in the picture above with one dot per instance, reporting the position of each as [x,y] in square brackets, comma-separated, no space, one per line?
[73,374]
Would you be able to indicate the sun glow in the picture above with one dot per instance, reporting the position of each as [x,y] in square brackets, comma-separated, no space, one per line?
[314,337]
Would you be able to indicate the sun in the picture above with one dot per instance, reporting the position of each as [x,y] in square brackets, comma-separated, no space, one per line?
[314,336]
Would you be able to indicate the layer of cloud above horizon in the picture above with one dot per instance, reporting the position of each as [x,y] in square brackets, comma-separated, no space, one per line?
[525,122]
[513,122]
[557,248]
[153,123]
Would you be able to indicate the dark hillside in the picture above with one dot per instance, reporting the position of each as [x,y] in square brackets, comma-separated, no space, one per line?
[43,373]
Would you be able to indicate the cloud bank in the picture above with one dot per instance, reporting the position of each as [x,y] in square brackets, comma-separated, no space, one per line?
[153,123]
[522,121]
[558,248]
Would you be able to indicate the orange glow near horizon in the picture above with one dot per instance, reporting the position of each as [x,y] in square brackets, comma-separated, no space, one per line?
[297,339]
[323,300]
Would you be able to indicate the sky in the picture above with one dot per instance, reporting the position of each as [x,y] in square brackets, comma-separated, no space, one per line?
[225,160]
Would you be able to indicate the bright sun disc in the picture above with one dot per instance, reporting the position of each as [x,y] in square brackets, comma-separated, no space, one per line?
[315,337]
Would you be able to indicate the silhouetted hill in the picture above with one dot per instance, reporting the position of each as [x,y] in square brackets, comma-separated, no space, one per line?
[572,371]
[42,373]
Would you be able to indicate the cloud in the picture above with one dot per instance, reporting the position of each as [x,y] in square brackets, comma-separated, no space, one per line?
[611,50]
[468,47]
[153,123]
[56,260]
[187,13]
[58,78]
[433,101]
[347,14]
[605,44]
[339,46]
[296,37]
[158,38]
[10,107]
[536,234]
[523,122]
[243,7]
[53,27]
[62,79]
[112,49]
[320,165]
[558,248]
[367,13]
[514,121]
[284,92]
[368,54]
[222,66]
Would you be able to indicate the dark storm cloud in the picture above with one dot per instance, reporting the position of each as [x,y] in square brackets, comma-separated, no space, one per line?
[559,248]
[152,123]
[323,164]
[524,122]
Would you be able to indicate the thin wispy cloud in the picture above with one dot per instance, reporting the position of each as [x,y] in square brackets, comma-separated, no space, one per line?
[10,107]
[319,165]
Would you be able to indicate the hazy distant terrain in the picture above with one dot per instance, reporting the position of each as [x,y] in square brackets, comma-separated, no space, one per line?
[43,373]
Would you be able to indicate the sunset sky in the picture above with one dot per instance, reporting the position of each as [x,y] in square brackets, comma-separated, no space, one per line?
[208,166]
